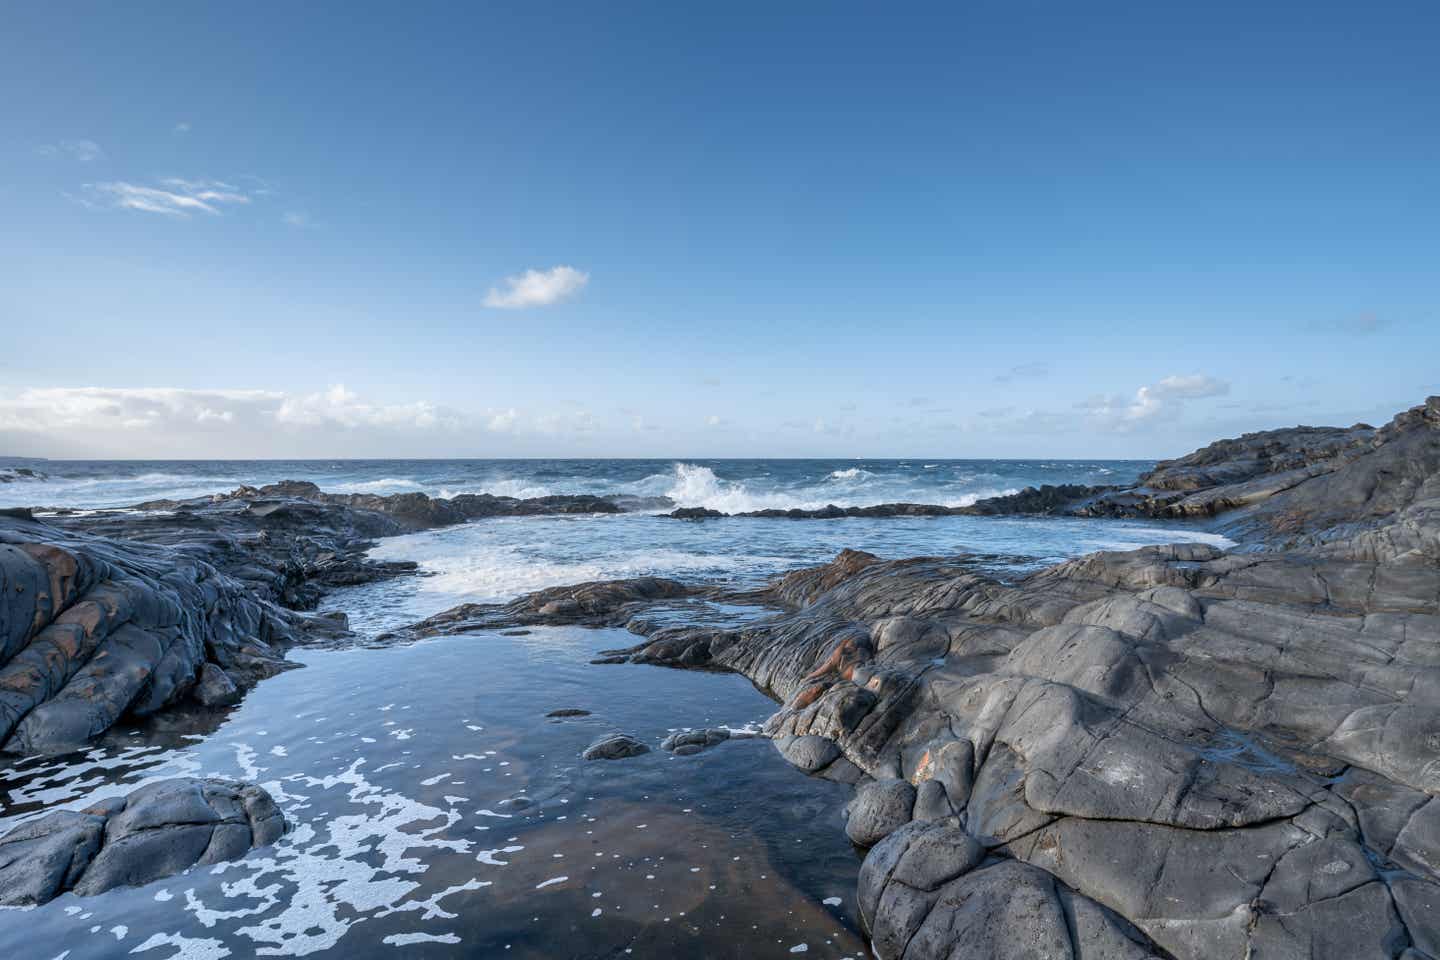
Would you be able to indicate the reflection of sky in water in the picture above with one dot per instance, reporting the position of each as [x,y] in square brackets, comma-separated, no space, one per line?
[495,560]
[394,768]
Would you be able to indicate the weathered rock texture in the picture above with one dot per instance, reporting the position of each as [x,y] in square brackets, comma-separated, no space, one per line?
[158,830]
[1175,751]
[93,630]
[123,613]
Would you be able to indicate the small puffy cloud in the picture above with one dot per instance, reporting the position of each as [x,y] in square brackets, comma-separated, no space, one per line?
[1162,400]
[174,196]
[537,288]
[714,420]
[82,151]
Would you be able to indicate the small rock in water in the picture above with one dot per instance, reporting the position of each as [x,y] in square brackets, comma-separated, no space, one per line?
[568,712]
[693,741]
[616,746]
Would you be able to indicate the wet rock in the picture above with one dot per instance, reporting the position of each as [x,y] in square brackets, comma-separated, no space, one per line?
[215,688]
[158,830]
[695,513]
[568,712]
[687,742]
[516,803]
[615,746]
[94,630]
[809,753]
[879,808]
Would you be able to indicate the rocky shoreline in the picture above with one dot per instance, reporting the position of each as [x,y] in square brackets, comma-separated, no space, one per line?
[1170,752]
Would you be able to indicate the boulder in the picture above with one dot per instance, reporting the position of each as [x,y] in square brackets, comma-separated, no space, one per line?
[158,830]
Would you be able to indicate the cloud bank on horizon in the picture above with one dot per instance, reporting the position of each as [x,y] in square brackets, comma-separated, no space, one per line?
[177,423]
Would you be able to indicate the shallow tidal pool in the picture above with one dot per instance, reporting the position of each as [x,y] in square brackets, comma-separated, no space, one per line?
[394,768]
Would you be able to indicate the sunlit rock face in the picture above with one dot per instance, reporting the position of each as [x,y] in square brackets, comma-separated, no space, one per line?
[1176,750]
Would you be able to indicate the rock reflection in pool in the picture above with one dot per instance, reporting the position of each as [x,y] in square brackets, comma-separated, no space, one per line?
[438,811]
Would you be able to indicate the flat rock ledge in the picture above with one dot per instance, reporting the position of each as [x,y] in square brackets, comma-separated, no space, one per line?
[158,830]
[1178,752]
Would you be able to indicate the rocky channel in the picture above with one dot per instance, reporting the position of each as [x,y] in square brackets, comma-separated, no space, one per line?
[1175,752]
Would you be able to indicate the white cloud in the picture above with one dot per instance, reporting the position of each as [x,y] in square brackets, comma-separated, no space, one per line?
[339,407]
[295,218]
[537,288]
[1192,387]
[713,421]
[175,197]
[182,127]
[98,408]
[573,422]
[83,151]
[503,421]
[1162,400]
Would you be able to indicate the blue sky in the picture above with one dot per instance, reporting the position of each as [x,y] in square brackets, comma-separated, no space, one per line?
[971,229]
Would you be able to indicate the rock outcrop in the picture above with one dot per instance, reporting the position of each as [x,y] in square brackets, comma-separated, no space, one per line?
[119,614]
[158,830]
[1176,751]
[94,630]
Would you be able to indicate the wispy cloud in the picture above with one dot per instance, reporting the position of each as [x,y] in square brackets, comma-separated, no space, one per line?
[1025,371]
[537,288]
[83,151]
[295,218]
[172,197]
[182,127]
[1357,324]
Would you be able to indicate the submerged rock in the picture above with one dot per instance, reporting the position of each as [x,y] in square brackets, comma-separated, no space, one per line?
[615,746]
[158,830]
[687,742]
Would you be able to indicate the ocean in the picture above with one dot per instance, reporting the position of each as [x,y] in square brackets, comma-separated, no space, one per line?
[496,560]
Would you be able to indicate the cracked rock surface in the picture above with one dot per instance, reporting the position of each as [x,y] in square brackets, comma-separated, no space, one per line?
[157,830]
[1176,751]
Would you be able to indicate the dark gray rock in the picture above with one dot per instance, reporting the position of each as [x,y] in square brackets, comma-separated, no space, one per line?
[879,808]
[568,712]
[809,753]
[215,688]
[158,830]
[615,746]
[687,742]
